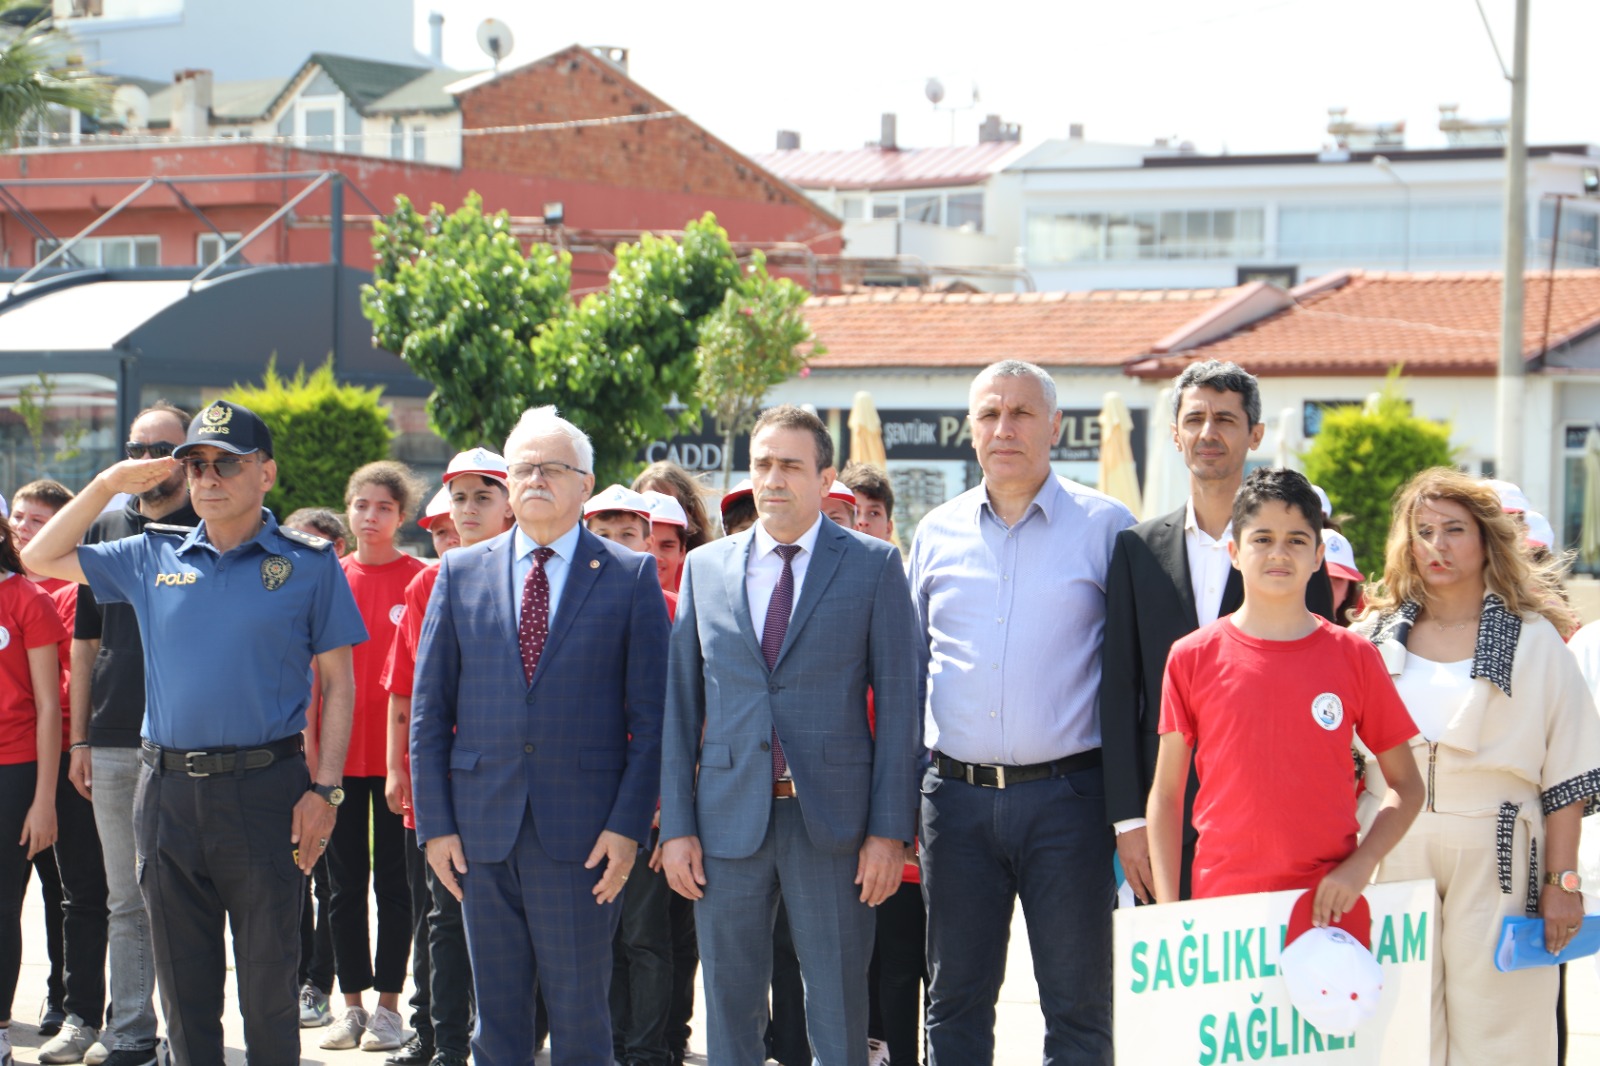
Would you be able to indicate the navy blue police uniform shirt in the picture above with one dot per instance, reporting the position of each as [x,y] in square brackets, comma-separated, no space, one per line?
[228,638]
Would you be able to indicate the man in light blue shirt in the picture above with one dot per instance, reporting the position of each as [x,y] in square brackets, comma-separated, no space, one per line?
[1009,584]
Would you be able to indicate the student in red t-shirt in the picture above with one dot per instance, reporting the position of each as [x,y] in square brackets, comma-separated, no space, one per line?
[30,751]
[1267,699]
[379,497]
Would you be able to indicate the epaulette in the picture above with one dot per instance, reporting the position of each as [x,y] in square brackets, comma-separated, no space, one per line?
[309,540]
[170,531]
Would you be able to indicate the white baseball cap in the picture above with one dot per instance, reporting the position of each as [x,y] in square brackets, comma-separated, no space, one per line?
[1327,505]
[665,509]
[1340,555]
[1512,498]
[480,461]
[742,489]
[1541,534]
[840,491]
[440,504]
[1334,982]
[617,498]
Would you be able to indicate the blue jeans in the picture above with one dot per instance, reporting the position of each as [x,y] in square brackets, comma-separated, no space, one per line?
[132,1023]
[1047,843]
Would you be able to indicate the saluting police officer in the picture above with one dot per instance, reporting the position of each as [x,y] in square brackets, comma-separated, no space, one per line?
[233,613]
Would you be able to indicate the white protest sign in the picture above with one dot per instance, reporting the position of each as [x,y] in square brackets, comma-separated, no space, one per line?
[1198,982]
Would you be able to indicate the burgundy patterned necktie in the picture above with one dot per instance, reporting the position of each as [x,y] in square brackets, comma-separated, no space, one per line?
[535,624]
[772,634]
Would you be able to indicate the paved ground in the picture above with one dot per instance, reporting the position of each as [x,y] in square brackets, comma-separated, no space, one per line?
[1019,1032]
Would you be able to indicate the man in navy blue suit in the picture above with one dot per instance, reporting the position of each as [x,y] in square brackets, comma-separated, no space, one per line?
[536,747]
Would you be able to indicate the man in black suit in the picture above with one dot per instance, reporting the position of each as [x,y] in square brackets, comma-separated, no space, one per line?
[1170,576]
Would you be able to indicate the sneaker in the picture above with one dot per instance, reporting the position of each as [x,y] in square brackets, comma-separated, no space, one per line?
[441,1058]
[5,1048]
[130,1057]
[418,1051]
[346,1032]
[384,1032]
[314,1013]
[877,1052]
[70,1043]
[50,1018]
[97,1054]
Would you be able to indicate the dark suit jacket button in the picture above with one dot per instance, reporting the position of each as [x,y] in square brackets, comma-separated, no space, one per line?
[528,748]
[772,688]
[765,746]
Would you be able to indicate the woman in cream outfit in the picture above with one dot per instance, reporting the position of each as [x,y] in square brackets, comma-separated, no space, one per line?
[1508,744]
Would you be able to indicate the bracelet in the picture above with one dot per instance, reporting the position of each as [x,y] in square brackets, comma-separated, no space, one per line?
[79,744]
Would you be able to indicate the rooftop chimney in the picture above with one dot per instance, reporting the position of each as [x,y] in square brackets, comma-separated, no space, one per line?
[436,37]
[1075,131]
[191,112]
[993,131]
[788,140]
[886,139]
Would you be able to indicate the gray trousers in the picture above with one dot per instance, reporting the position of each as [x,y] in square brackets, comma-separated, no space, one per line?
[132,1023]
[215,849]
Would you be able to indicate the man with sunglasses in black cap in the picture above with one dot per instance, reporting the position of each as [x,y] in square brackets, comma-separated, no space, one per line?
[107,713]
[233,614]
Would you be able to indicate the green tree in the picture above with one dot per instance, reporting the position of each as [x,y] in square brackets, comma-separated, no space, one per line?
[495,330]
[33,406]
[1361,457]
[321,432]
[747,345]
[37,73]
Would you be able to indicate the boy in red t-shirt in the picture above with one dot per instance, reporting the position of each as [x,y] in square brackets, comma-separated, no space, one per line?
[1267,700]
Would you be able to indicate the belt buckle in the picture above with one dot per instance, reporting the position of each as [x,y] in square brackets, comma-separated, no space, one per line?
[188,763]
[999,776]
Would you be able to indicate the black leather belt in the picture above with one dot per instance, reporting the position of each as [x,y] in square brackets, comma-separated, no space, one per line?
[994,775]
[221,760]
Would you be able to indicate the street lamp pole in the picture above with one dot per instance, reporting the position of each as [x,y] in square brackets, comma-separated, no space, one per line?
[1511,385]
[1383,163]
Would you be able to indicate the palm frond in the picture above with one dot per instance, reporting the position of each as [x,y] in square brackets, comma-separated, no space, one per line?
[36,73]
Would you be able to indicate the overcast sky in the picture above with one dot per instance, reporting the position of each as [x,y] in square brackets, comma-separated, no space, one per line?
[1240,75]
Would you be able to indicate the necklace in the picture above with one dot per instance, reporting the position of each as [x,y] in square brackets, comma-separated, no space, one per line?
[1457,625]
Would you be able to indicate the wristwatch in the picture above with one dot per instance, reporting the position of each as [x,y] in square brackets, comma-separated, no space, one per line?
[335,796]
[1566,880]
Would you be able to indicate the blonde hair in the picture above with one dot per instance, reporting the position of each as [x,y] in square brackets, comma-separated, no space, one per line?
[1509,570]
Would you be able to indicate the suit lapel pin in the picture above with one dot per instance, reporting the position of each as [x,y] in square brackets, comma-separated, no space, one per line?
[594,564]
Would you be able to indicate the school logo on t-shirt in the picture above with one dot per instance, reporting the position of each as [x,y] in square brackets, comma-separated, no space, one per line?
[1328,710]
[396,613]
[5,638]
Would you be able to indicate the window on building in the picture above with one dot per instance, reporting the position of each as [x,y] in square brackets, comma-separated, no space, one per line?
[286,123]
[209,247]
[397,140]
[419,143]
[922,208]
[851,207]
[319,128]
[1578,244]
[964,208]
[1091,235]
[1389,232]
[108,251]
[1574,496]
[886,207]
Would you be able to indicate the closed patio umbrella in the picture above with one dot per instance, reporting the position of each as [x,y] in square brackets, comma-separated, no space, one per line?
[1118,476]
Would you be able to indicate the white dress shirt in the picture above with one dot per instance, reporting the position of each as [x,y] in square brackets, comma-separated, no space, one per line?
[1208,564]
[765,567]
[555,568]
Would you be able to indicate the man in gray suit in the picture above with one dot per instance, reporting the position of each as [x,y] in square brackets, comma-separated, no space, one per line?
[772,778]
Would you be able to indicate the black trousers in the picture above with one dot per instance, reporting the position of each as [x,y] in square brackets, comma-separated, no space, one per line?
[451,1003]
[899,973]
[212,850]
[641,970]
[421,904]
[54,901]
[685,961]
[316,941]
[83,885]
[16,796]
[349,862]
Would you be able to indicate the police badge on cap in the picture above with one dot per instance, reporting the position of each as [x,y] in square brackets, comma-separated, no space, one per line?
[230,427]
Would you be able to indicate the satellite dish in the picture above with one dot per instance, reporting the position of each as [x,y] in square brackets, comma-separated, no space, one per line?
[130,105]
[934,91]
[494,37]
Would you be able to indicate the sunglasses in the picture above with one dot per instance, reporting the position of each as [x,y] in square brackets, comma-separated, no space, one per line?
[226,467]
[157,449]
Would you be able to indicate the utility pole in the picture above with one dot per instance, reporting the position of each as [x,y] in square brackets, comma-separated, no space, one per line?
[1512,382]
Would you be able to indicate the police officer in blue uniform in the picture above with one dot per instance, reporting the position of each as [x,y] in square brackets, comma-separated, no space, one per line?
[233,612]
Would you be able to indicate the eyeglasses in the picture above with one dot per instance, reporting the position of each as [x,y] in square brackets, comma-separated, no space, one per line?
[227,466]
[156,449]
[548,471]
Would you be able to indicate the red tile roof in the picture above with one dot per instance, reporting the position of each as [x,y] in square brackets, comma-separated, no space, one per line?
[1363,323]
[873,167]
[910,328]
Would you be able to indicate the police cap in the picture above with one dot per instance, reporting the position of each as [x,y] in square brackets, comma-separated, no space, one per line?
[227,426]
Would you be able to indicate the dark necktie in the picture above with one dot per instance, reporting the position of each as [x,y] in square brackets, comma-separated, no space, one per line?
[772,634]
[535,625]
